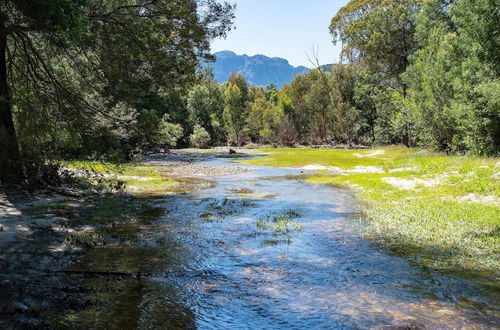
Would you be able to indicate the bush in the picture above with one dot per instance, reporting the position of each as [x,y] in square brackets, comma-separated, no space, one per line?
[200,137]
[169,133]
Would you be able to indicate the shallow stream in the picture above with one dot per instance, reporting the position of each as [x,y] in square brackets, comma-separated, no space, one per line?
[264,249]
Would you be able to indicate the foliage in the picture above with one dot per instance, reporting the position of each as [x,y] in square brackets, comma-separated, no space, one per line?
[71,62]
[453,81]
[264,115]
[287,135]
[109,80]
[378,33]
[200,137]
[169,133]
[205,104]
[234,113]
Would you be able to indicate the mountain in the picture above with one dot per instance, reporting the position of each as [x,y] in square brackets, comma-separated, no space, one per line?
[258,70]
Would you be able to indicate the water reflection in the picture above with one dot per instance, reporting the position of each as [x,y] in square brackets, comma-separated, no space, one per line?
[128,304]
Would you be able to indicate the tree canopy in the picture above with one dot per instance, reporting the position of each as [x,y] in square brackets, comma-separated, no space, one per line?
[72,67]
[110,79]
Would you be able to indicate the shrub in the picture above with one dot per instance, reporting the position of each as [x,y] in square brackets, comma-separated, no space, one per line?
[200,137]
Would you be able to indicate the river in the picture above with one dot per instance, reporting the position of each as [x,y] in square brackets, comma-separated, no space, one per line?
[265,250]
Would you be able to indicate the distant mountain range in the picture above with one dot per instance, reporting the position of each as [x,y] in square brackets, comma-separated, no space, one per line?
[258,70]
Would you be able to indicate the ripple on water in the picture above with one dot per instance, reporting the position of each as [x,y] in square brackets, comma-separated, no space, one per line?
[224,276]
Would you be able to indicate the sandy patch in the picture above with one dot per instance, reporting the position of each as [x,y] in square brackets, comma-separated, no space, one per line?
[407,184]
[485,199]
[198,170]
[15,224]
[338,170]
[403,169]
[366,169]
[316,167]
[371,154]
[186,164]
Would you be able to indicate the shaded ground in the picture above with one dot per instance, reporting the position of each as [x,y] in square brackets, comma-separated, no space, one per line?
[41,232]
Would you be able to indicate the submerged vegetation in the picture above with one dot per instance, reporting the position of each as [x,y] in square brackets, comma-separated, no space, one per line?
[277,228]
[442,210]
[217,210]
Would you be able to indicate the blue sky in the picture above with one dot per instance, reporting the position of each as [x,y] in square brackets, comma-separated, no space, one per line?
[283,28]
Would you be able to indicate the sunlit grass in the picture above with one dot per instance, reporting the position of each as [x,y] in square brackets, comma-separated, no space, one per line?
[128,169]
[449,217]
[141,179]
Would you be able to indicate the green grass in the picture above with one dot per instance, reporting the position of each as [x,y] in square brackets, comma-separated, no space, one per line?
[94,166]
[125,169]
[61,209]
[140,179]
[438,224]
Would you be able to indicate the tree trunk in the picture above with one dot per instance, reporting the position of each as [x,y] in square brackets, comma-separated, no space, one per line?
[10,165]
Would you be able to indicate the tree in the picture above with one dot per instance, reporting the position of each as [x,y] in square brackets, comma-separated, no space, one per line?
[169,133]
[237,79]
[263,117]
[311,108]
[234,113]
[454,78]
[200,137]
[346,113]
[65,62]
[17,18]
[378,33]
[205,104]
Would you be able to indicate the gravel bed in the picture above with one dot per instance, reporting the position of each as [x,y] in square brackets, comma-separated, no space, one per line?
[187,164]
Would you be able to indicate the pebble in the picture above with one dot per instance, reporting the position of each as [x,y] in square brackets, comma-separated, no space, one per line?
[6,284]
[189,169]
[19,306]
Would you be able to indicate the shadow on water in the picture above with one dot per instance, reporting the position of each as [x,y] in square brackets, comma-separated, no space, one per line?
[293,260]
[128,304]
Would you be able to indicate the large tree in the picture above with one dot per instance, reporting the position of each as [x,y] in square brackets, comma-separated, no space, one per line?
[64,63]
[235,113]
[205,104]
[377,33]
[454,78]
[20,23]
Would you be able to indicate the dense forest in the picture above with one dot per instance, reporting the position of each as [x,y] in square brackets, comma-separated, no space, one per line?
[111,79]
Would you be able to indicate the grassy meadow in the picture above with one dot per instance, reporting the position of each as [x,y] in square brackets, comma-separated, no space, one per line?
[442,211]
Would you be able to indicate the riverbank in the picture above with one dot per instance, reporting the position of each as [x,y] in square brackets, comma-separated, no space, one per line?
[108,213]
[440,211]
[156,250]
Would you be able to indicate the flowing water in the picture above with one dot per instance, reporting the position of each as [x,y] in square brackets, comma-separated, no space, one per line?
[264,249]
